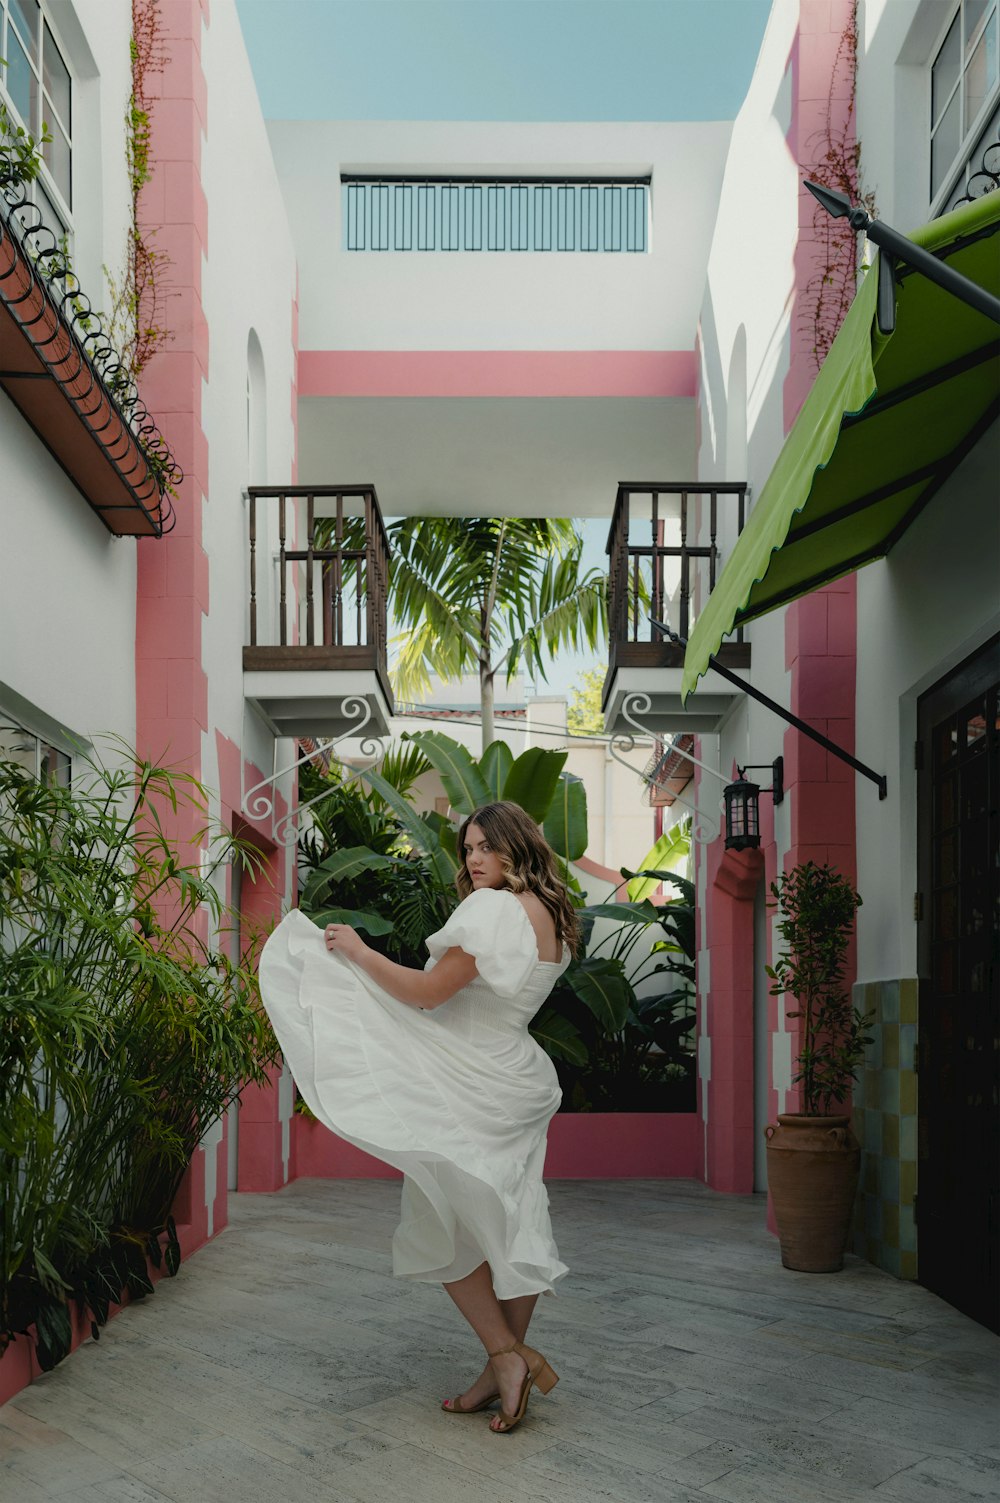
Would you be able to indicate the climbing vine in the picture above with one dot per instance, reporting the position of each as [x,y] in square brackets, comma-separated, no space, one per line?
[836,164]
[137,294]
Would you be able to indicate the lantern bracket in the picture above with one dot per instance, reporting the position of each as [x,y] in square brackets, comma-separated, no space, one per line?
[777,770]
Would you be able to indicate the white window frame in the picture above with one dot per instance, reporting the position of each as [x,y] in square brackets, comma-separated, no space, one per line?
[969,139]
[47,111]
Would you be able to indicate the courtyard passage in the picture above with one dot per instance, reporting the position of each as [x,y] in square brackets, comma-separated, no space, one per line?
[284,1364]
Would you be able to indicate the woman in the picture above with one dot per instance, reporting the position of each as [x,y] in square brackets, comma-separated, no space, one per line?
[435,1072]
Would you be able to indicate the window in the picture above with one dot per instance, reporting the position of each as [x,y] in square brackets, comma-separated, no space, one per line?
[494,214]
[35,755]
[964,94]
[37,88]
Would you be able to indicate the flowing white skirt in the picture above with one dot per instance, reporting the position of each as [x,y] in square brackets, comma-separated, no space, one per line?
[459,1106]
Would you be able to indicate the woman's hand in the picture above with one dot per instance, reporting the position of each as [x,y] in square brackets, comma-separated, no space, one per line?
[341,939]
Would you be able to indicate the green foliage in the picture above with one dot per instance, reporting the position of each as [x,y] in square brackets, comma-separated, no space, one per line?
[584,716]
[632,1047]
[20,152]
[489,595]
[370,855]
[369,852]
[669,852]
[124,1033]
[817,907]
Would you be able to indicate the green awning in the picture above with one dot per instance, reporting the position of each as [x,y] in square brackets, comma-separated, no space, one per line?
[888,419]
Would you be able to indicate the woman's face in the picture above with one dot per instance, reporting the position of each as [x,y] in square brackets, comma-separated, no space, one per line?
[481,861]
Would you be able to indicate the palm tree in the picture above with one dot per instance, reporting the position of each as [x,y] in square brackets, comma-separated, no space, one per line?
[489,594]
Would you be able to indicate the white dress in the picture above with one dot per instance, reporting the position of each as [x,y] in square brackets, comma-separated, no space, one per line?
[458,1097]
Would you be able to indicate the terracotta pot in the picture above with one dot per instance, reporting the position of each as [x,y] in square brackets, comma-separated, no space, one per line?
[812,1174]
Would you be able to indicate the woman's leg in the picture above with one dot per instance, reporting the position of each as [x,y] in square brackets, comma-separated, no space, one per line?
[475,1297]
[518,1313]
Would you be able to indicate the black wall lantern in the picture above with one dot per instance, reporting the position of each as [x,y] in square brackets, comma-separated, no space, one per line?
[743,806]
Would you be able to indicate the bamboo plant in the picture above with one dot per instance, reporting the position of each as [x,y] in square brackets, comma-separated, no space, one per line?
[125,1032]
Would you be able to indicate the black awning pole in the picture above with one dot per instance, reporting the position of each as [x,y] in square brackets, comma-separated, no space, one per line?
[900,248]
[800,725]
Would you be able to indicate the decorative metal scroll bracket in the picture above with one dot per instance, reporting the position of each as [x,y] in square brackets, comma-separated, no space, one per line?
[634,705]
[896,247]
[257,803]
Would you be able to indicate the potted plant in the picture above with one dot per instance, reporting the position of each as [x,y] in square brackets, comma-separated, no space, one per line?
[813,1158]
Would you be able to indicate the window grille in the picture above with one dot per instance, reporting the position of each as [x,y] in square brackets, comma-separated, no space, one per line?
[510,215]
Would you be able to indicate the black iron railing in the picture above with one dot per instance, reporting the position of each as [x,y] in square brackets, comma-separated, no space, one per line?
[675,572]
[331,593]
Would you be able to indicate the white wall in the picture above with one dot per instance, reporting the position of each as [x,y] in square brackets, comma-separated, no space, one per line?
[248,288]
[920,613]
[482,300]
[67,587]
[746,335]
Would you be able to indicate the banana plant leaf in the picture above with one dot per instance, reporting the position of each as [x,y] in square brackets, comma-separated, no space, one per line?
[340,866]
[495,765]
[558,1037]
[603,987]
[626,913]
[532,780]
[445,864]
[673,845]
[565,824]
[464,784]
[369,923]
[684,887]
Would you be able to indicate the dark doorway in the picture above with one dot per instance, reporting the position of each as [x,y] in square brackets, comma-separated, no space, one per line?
[958,910]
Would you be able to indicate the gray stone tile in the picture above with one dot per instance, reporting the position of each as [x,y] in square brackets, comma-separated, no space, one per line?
[120,1489]
[285,1363]
[945,1479]
[761,1482]
[792,1443]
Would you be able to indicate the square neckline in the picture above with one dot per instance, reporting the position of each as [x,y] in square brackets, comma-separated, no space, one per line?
[538,959]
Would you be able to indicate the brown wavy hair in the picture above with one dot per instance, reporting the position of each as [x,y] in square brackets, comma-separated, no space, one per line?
[528,862]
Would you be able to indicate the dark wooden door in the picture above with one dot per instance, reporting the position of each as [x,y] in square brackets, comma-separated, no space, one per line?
[958,1172]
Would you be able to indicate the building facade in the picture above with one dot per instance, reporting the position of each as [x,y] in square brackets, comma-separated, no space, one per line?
[474,319]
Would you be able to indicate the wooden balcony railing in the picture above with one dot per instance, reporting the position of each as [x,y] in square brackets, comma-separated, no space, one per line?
[673,573]
[324,605]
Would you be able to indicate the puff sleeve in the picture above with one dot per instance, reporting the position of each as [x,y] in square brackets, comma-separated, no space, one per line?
[492,926]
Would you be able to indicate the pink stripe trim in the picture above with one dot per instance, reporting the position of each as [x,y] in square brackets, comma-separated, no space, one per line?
[497,373]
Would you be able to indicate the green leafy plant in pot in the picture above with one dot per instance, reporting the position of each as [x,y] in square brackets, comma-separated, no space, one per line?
[813,1158]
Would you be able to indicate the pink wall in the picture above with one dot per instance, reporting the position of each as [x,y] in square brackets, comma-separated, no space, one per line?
[581,1145]
[259,1156]
[497,373]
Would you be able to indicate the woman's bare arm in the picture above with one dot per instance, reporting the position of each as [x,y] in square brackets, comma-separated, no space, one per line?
[420,989]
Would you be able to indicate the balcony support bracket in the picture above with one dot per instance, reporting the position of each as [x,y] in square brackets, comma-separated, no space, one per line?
[258,803]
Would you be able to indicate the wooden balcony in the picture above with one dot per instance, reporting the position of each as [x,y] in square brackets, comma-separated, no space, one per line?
[667,576]
[318,569]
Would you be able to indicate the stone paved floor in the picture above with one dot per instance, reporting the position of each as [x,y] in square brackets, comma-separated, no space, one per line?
[286,1365]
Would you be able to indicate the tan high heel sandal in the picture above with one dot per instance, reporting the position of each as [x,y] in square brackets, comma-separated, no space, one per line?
[456,1408]
[538,1372]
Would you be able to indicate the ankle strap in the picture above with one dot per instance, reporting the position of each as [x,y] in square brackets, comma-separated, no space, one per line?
[504,1350]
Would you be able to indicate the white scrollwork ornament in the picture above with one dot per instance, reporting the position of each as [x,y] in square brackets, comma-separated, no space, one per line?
[704,829]
[258,802]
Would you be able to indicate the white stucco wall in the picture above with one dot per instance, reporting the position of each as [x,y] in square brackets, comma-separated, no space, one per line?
[67,587]
[497,301]
[248,289]
[935,600]
[746,332]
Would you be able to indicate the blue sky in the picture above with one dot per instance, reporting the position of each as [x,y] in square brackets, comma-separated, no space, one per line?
[502,59]
[505,60]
